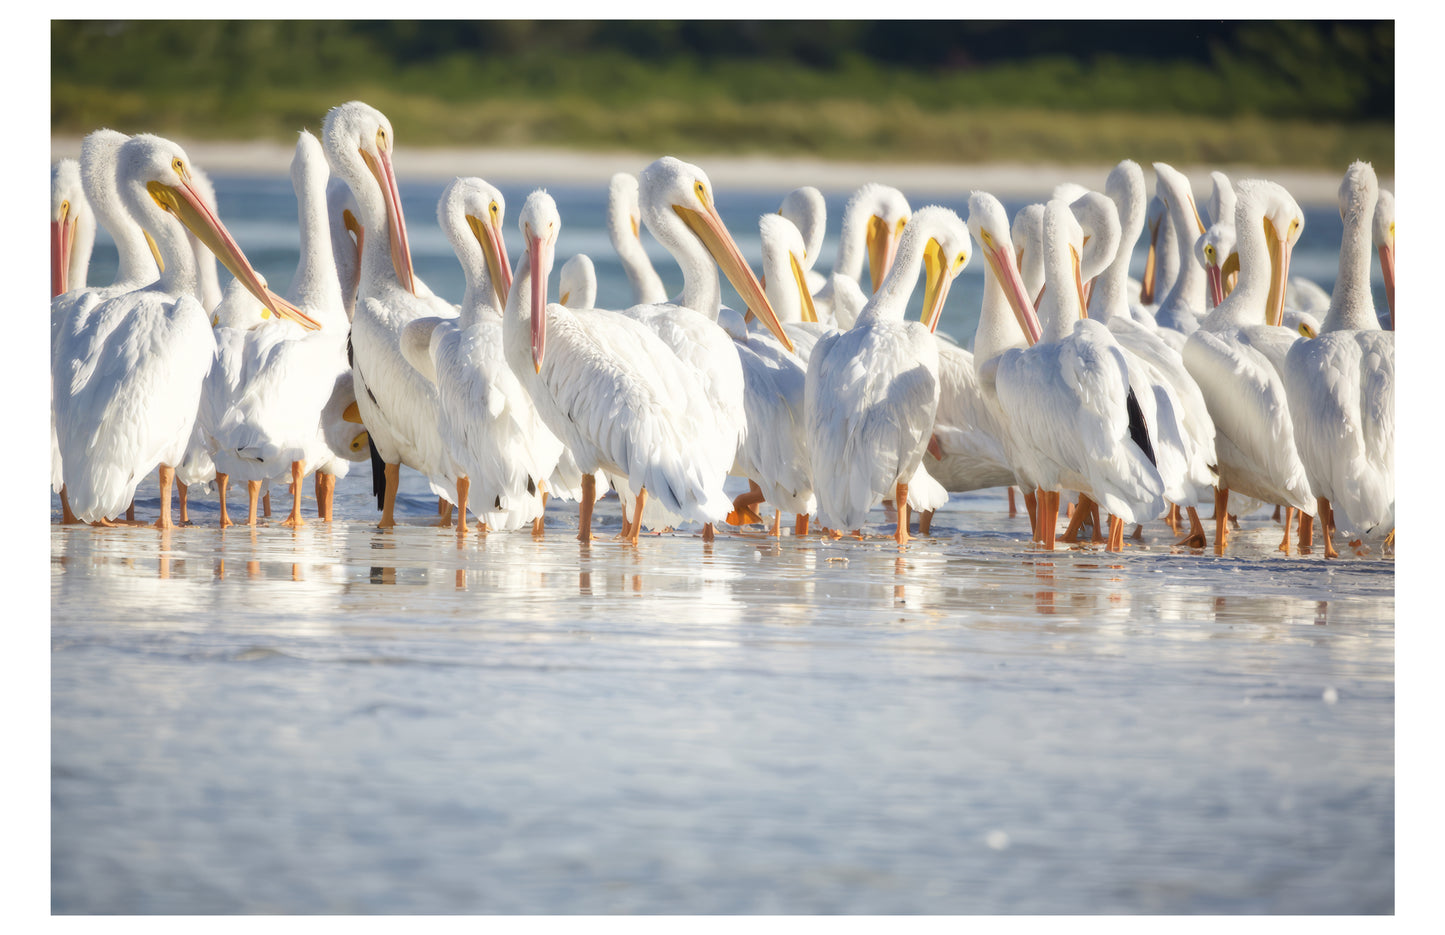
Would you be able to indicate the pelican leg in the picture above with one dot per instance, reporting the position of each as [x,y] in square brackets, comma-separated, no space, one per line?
[538,527]
[925,522]
[67,518]
[392,475]
[708,533]
[1116,535]
[181,495]
[266,502]
[1275,517]
[1076,522]
[1013,509]
[1031,503]
[800,527]
[464,485]
[1138,534]
[444,512]
[130,512]
[326,495]
[743,513]
[1327,527]
[1307,531]
[253,491]
[1288,521]
[167,476]
[222,480]
[1048,518]
[1172,518]
[777,531]
[295,520]
[637,516]
[1221,519]
[1097,536]
[584,508]
[1195,539]
[901,499]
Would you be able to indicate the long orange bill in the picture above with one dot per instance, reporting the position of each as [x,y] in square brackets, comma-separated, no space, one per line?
[62,238]
[1146,287]
[183,201]
[1279,251]
[937,280]
[396,224]
[1387,267]
[1216,283]
[714,234]
[882,242]
[494,249]
[1006,270]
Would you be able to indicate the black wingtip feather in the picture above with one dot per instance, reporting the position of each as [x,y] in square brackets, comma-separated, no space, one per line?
[1138,428]
[378,475]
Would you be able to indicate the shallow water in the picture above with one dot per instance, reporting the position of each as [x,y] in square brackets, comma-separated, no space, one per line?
[341,719]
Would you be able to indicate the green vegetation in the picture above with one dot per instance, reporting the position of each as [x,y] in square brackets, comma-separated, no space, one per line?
[1304,94]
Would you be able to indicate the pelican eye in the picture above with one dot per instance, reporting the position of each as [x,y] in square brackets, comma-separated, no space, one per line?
[178,166]
[1209,252]
[701,191]
[959,263]
[381,139]
[902,223]
[495,209]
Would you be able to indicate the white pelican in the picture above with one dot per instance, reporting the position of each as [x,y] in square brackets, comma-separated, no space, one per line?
[678,208]
[1073,421]
[503,452]
[607,386]
[1237,356]
[774,454]
[624,220]
[129,403]
[1183,305]
[577,283]
[271,428]
[72,235]
[398,405]
[873,219]
[872,391]
[1173,408]
[1384,240]
[1341,386]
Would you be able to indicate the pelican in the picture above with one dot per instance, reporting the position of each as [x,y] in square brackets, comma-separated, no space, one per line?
[398,405]
[611,390]
[1341,386]
[624,219]
[1183,305]
[872,391]
[873,219]
[1173,409]
[503,452]
[1383,230]
[129,403]
[806,208]
[72,235]
[1073,421]
[1237,356]
[272,429]
[678,208]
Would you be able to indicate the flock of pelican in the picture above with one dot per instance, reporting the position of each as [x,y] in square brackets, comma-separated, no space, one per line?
[1217,374]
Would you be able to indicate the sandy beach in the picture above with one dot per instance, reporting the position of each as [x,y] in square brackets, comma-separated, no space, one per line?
[563,166]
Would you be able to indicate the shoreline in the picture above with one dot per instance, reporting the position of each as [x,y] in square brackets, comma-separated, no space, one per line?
[264,158]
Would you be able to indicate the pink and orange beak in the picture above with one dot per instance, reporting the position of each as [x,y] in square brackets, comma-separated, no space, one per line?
[381,169]
[1387,268]
[62,242]
[1006,270]
[938,278]
[1216,283]
[705,222]
[1151,263]
[187,205]
[494,249]
[540,255]
[1279,248]
[882,242]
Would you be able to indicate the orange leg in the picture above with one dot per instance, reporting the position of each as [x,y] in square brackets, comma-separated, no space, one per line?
[444,512]
[167,475]
[1327,527]
[925,522]
[637,516]
[901,499]
[181,493]
[1172,518]
[296,520]
[1013,509]
[266,503]
[1048,518]
[537,524]
[1288,521]
[1031,503]
[743,513]
[1221,519]
[253,490]
[326,495]
[66,517]
[392,475]
[584,513]
[1116,535]
[130,512]
[800,528]
[221,481]
[708,532]
[464,485]
[1076,522]
[1307,532]
[1195,539]
[777,524]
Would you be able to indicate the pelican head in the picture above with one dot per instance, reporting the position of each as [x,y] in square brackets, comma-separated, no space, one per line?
[72,228]
[1221,198]
[623,213]
[945,254]
[1173,189]
[472,206]
[789,290]
[156,184]
[577,283]
[540,224]
[1259,202]
[359,140]
[1215,252]
[672,189]
[1125,187]
[988,223]
[888,213]
[1384,240]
